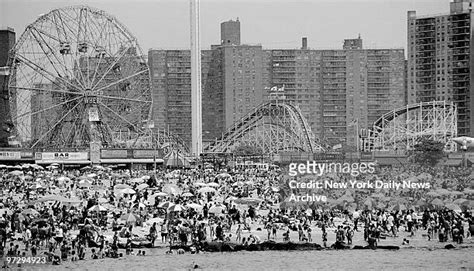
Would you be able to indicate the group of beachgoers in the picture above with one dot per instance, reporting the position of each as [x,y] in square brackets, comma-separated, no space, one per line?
[96,212]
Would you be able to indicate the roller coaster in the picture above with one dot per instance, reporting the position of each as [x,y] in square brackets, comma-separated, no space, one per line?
[271,127]
[401,128]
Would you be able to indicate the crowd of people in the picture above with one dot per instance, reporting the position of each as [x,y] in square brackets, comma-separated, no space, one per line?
[95,212]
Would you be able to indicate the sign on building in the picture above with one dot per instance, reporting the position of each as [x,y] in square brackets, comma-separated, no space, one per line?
[10,155]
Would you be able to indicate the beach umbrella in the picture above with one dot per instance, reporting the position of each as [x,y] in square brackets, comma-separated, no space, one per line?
[248,201]
[64,179]
[37,167]
[347,198]
[84,183]
[421,202]
[457,193]
[121,186]
[207,190]
[194,206]
[370,203]
[433,194]
[129,217]
[378,195]
[142,186]
[30,211]
[165,205]
[217,209]
[91,175]
[437,202]
[399,207]
[213,184]
[453,206]
[461,201]
[199,184]
[53,198]
[98,167]
[176,208]
[137,180]
[443,191]
[16,173]
[171,189]
[97,208]
[36,186]
[238,183]
[187,194]
[224,175]
[468,191]
[127,191]
[160,194]
[86,168]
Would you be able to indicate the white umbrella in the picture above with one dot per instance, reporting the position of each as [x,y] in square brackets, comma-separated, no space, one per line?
[199,184]
[207,190]
[165,204]
[142,186]
[97,208]
[224,175]
[195,206]
[176,208]
[217,209]
[137,180]
[121,186]
[213,184]
[187,194]
[128,191]
[16,173]
[64,179]
[160,194]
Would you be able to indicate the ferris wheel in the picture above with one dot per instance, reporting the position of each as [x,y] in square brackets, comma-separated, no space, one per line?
[77,76]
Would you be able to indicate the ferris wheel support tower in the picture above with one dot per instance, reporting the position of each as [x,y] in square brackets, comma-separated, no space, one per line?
[196,96]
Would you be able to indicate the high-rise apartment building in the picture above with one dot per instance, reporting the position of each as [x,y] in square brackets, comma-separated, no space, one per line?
[439,63]
[7,41]
[171,89]
[337,91]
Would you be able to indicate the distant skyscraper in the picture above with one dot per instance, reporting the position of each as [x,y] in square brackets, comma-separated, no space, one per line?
[7,41]
[230,32]
[440,50]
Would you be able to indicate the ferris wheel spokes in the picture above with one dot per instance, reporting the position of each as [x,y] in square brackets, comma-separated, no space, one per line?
[55,125]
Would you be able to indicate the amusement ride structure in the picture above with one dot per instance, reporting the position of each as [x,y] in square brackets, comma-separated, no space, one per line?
[77,75]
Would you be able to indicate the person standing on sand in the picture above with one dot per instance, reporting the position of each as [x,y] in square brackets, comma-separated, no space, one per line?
[153,234]
[238,233]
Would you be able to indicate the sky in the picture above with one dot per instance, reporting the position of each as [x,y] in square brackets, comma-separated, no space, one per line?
[164,24]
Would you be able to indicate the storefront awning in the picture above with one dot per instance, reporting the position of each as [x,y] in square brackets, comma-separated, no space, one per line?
[68,162]
[131,161]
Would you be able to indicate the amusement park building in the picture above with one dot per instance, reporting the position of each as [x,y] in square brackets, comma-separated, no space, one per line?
[336,90]
[439,62]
